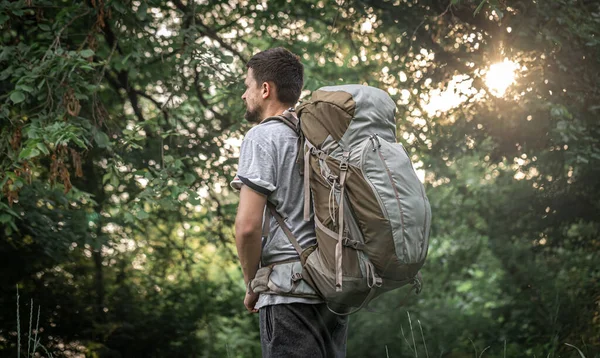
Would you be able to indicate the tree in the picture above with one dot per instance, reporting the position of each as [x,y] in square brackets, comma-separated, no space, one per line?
[118,128]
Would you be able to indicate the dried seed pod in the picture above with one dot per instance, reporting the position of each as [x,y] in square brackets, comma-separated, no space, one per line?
[15,140]
[71,103]
[27,172]
[11,195]
[100,15]
[101,113]
[65,177]
[92,41]
[76,158]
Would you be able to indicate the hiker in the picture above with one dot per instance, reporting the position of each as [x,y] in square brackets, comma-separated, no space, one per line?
[294,320]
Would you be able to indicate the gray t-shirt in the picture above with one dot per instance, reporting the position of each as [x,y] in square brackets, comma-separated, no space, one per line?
[267,165]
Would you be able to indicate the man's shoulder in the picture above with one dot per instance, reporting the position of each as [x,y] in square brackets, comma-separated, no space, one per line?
[268,132]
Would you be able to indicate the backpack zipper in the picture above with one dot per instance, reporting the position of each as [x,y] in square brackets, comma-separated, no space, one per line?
[425,201]
[373,189]
[392,181]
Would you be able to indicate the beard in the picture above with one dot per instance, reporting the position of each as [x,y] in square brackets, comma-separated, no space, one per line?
[253,115]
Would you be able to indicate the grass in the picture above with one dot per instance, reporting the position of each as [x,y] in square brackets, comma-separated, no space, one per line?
[413,347]
[36,342]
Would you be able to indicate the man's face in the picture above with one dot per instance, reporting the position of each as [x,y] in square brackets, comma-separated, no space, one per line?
[252,98]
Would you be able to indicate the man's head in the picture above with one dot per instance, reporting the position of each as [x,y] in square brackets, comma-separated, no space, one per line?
[275,78]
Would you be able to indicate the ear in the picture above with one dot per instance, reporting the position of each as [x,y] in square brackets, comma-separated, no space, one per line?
[266,90]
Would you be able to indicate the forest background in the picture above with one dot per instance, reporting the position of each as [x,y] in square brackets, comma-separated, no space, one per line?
[120,125]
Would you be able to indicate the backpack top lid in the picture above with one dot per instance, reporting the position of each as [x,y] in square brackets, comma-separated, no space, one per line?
[348,114]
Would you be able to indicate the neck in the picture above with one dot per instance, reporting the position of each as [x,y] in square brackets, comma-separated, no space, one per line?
[274,109]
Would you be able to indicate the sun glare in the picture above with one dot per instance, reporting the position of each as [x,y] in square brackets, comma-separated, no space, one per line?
[500,76]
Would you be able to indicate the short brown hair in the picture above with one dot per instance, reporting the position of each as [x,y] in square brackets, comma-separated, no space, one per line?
[281,67]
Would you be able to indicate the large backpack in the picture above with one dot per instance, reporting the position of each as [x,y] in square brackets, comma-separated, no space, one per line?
[372,216]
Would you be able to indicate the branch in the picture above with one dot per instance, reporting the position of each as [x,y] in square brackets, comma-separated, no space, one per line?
[57,38]
[203,100]
[208,32]
[220,214]
[173,244]
[160,106]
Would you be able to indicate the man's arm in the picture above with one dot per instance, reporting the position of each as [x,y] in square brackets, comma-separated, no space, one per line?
[248,230]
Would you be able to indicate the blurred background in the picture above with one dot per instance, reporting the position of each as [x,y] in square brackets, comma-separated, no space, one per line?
[120,126]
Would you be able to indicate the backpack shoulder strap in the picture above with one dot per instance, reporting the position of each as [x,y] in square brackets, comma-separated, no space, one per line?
[289,118]
[286,230]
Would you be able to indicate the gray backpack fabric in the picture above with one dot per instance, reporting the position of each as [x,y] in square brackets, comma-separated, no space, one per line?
[371,213]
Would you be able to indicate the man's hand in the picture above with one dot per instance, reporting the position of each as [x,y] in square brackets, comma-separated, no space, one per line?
[250,301]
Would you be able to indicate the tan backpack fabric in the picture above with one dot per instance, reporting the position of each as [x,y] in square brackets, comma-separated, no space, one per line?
[371,213]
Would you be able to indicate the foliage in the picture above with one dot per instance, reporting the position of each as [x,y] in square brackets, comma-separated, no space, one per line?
[119,126]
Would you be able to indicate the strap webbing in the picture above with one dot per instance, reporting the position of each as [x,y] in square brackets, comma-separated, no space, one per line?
[325,229]
[266,224]
[286,230]
[288,118]
[338,247]
[307,183]
[417,284]
[367,299]
[291,120]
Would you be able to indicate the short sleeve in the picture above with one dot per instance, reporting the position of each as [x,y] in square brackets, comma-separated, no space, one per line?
[256,168]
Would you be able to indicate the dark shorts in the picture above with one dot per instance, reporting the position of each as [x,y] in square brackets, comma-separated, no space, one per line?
[302,330]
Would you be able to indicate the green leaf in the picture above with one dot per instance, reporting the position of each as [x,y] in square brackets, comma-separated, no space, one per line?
[142,11]
[114,181]
[86,53]
[17,97]
[128,217]
[42,147]
[142,215]
[3,182]
[479,7]
[106,178]
[28,153]
[25,88]
[44,27]
[117,5]
[4,218]
[188,178]
[193,198]
[168,159]
[101,139]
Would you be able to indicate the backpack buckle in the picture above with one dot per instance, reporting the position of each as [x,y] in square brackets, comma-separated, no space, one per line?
[296,277]
[356,245]
[417,284]
[344,161]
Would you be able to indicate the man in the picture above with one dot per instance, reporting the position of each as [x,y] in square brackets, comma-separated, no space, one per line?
[290,326]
